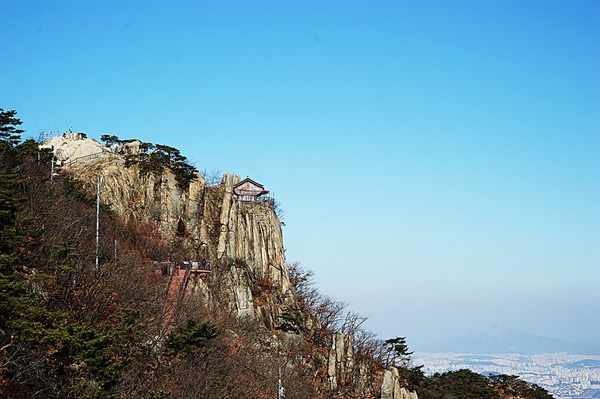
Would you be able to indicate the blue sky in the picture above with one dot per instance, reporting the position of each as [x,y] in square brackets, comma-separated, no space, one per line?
[437,161]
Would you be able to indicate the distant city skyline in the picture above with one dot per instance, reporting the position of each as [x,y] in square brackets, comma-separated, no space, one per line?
[437,162]
[564,375]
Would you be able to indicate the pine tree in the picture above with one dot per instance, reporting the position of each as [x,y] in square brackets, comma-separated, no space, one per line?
[9,133]
[9,183]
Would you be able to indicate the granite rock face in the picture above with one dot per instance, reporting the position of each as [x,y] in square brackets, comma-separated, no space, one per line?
[251,231]
[72,146]
[340,358]
[390,386]
[243,240]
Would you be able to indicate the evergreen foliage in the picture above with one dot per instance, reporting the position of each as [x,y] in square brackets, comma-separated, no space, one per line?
[191,337]
[109,140]
[10,200]
[512,385]
[398,350]
[155,158]
[10,134]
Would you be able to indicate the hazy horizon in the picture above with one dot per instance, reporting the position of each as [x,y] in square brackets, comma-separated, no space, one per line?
[510,342]
[437,162]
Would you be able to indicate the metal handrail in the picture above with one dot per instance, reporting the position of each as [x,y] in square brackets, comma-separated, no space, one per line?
[95,155]
[194,265]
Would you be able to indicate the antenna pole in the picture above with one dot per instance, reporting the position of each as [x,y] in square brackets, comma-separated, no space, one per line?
[279,385]
[280,389]
[97,223]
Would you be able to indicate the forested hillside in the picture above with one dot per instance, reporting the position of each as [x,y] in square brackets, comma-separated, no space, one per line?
[88,318]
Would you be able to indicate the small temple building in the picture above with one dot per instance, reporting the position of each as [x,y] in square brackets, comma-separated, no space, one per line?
[250,191]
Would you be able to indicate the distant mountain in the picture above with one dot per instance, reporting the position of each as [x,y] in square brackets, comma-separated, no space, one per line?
[509,342]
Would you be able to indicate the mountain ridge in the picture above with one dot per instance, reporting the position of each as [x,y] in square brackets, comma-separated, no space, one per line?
[509,341]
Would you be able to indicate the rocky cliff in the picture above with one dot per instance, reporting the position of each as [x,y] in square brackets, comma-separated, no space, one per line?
[390,386]
[242,240]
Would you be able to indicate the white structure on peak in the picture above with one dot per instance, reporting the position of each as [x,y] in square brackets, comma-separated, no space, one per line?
[72,146]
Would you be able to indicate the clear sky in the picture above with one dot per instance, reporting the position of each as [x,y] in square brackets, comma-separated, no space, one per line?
[437,161]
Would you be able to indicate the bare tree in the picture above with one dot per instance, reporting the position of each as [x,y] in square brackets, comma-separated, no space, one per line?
[212,177]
